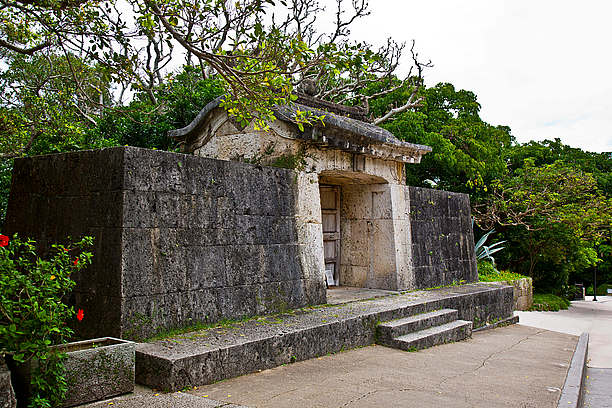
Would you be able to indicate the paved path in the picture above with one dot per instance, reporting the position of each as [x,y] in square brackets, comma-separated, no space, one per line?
[598,388]
[594,318]
[515,366]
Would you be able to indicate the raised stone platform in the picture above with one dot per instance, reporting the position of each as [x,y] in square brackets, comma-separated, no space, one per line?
[227,351]
[337,295]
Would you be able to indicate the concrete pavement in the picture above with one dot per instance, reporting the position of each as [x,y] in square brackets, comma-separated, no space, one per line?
[598,388]
[594,318]
[513,366]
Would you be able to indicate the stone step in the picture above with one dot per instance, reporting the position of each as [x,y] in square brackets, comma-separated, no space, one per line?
[446,333]
[396,328]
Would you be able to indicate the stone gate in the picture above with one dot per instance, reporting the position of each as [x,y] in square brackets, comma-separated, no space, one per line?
[186,238]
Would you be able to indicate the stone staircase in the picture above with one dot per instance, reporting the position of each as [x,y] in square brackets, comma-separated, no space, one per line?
[424,330]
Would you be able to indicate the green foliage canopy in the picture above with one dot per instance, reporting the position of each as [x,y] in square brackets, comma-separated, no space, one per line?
[555,217]
[468,153]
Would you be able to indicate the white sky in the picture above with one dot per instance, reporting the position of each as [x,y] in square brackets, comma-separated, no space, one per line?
[542,67]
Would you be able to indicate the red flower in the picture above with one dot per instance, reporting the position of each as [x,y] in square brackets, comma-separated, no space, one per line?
[80,314]
[4,240]
[76,261]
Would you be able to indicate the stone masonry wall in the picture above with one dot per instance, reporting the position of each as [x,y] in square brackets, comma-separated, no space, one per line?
[442,239]
[179,239]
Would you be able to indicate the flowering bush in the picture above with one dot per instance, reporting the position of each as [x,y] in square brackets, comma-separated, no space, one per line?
[33,309]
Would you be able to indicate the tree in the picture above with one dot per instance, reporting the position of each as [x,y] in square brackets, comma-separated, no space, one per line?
[143,123]
[549,151]
[43,109]
[554,216]
[468,153]
[258,61]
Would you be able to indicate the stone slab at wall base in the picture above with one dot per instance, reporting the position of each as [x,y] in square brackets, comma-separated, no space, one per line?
[7,394]
[212,355]
[523,293]
[179,239]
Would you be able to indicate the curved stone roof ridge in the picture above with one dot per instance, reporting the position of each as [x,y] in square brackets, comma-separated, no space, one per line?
[357,127]
[182,133]
[286,113]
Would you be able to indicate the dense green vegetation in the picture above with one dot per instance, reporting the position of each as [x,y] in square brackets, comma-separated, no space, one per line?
[142,123]
[35,311]
[487,272]
[602,289]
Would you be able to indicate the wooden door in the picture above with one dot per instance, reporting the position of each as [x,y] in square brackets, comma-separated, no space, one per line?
[330,215]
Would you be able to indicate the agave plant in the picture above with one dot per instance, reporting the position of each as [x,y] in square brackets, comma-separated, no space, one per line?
[485,251]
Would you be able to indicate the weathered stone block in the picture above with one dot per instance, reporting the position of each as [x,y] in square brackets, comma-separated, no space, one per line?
[95,369]
[522,292]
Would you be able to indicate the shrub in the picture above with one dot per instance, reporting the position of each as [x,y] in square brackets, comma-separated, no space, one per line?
[485,252]
[33,310]
[487,272]
[569,292]
[602,289]
[548,302]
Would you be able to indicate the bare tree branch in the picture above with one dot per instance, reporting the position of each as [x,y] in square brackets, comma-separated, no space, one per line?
[25,51]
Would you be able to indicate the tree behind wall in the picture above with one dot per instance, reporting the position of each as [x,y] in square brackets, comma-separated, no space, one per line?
[555,218]
[141,123]
[468,153]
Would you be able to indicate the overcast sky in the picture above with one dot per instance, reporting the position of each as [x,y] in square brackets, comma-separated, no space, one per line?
[541,67]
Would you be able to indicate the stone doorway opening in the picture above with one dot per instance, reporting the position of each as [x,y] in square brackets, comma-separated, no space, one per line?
[330,220]
[357,224]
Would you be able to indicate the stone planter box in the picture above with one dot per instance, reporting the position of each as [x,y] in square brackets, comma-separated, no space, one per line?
[95,369]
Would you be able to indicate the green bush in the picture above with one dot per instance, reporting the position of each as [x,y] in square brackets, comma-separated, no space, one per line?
[602,290]
[548,302]
[33,311]
[145,123]
[487,272]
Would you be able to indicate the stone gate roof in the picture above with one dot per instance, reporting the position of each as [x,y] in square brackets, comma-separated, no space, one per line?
[337,131]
